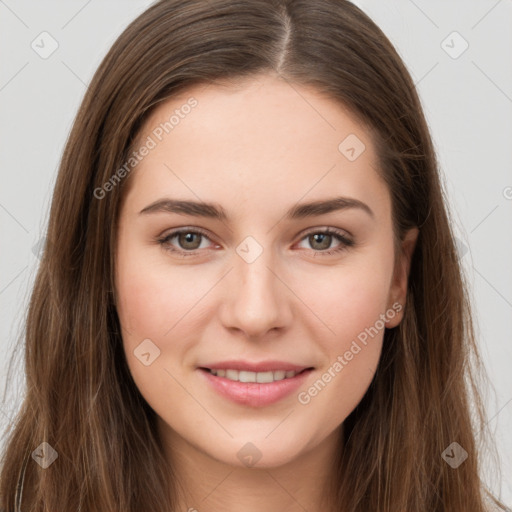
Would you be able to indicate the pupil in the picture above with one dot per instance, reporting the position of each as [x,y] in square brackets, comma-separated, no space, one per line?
[322,237]
[188,239]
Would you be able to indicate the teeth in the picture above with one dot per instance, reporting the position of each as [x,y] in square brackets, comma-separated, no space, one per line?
[265,377]
[232,374]
[260,377]
[244,376]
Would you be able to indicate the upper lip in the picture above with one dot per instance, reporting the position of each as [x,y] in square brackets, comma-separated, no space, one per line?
[261,366]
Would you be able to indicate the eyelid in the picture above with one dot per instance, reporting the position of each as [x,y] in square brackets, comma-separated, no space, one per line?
[184,229]
[327,229]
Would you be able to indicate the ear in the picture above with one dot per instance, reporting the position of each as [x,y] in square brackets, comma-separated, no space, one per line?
[398,289]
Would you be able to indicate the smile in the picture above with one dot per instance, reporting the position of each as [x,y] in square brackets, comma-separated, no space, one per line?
[254,388]
[260,377]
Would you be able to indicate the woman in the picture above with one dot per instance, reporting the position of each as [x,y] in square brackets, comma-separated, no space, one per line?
[253,370]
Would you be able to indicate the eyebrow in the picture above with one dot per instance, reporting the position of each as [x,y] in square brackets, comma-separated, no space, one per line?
[215,211]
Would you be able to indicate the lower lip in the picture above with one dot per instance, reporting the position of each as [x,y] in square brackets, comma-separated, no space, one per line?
[255,394]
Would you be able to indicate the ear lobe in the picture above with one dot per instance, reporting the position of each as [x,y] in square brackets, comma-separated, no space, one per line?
[398,290]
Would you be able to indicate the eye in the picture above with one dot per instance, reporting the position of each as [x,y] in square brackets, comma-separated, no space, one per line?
[189,240]
[320,241]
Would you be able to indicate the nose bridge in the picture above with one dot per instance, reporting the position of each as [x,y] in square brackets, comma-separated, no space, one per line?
[257,301]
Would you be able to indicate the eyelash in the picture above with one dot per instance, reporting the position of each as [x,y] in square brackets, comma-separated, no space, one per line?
[344,245]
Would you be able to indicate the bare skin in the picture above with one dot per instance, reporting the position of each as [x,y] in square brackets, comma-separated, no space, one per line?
[257,148]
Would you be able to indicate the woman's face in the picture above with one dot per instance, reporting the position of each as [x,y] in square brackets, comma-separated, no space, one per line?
[253,175]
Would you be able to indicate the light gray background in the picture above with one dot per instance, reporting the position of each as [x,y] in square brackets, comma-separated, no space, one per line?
[467,100]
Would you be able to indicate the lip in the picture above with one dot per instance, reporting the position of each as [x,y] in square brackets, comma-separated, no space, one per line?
[262,366]
[254,394]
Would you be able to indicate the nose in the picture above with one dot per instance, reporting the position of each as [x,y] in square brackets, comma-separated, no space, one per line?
[258,300]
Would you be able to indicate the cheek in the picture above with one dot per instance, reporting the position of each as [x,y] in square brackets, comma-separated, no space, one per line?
[153,297]
[348,301]
[352,304]
[156,304]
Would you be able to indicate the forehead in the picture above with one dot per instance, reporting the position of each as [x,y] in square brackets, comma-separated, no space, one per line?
[260,135]
[263,106]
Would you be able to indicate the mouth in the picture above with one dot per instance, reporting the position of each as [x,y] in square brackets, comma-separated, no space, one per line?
[271,383]
[261,377]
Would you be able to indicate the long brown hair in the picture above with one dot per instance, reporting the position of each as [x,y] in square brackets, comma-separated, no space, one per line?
[80,396]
